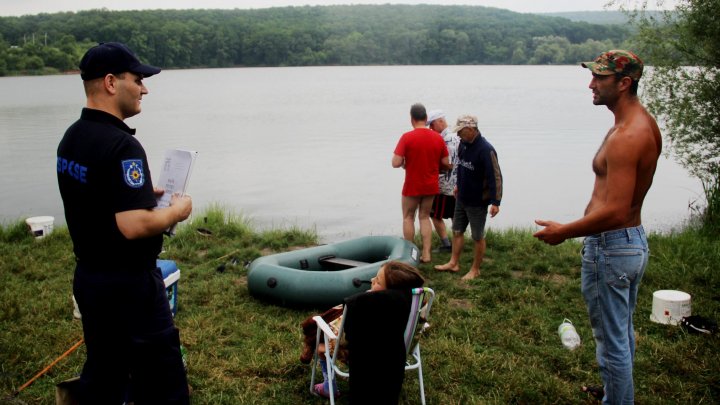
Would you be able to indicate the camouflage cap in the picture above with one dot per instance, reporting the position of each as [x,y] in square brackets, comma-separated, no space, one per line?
[616,61]
[465,121]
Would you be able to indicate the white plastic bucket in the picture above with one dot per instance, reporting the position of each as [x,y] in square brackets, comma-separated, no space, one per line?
[40,226]
[669,306]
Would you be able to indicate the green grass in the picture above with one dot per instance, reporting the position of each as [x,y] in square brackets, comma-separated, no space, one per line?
[492,341]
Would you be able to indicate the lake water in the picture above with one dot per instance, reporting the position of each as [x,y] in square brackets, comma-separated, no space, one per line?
[311,146]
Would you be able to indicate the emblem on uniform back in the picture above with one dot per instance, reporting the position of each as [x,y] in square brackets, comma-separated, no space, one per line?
[133,172]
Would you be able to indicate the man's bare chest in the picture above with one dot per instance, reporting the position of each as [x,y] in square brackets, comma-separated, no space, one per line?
[599,163]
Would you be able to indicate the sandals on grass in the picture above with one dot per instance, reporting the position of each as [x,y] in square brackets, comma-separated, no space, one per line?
[323,390]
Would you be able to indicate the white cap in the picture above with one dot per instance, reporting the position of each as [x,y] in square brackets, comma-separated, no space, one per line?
[434,115]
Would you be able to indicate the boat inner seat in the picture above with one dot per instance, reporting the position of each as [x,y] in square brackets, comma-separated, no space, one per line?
[339,263]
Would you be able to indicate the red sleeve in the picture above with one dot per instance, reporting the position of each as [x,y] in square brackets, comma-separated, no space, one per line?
[400,148]
[444,149]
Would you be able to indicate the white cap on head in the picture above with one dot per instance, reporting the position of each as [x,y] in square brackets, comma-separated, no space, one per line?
[434,115]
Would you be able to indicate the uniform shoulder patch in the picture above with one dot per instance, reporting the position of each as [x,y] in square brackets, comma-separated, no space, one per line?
[133,172]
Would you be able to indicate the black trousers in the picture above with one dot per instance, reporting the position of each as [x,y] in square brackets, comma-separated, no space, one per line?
[133,346]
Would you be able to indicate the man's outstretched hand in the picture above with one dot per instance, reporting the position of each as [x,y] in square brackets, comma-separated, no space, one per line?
[551,233]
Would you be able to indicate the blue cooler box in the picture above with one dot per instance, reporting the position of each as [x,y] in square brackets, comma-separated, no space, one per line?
[171,275]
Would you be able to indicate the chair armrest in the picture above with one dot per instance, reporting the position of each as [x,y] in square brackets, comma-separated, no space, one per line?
[324,327]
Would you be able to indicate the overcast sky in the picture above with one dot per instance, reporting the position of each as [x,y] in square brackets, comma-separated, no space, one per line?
[22,7]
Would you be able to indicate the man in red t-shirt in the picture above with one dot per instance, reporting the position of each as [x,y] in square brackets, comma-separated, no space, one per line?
[423,154]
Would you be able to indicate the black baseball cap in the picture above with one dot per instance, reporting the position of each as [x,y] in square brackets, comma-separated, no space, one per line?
[114,58]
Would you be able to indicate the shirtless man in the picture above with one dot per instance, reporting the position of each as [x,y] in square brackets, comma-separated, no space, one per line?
[615,250]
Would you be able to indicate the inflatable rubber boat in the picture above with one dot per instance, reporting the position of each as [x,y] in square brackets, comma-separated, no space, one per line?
[322,276]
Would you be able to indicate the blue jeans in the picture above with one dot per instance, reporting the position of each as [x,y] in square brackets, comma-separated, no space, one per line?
[613,264]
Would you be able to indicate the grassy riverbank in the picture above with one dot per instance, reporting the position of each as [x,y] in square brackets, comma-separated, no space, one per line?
[493,340]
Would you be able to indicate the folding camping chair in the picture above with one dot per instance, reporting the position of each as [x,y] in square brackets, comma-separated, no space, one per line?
[418,312]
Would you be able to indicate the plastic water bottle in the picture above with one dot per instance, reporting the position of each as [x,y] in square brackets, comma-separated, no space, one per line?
[568,335]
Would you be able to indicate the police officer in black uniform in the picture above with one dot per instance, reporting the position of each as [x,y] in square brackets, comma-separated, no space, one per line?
[133,346]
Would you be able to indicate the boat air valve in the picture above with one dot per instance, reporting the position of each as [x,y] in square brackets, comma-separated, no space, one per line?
[272,282]
[357,282]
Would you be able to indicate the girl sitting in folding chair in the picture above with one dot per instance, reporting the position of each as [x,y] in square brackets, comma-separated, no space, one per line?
[373,336]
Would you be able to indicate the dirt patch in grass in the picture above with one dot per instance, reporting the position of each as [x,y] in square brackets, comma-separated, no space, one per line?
[551,278]
[556,278]
[460,303]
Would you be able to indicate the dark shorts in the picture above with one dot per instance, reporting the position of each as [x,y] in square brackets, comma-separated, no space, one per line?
[443,207]
[474,216]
